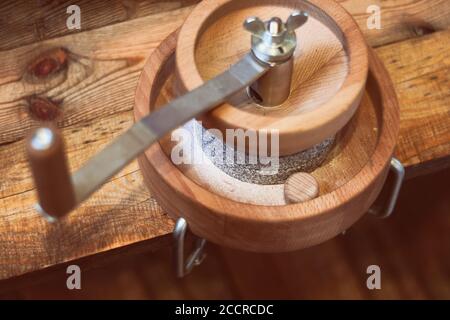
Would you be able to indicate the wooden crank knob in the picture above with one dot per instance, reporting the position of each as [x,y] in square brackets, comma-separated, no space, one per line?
[48,162]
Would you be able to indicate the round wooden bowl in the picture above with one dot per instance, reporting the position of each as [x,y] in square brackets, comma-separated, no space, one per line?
[349,180]
[330,67]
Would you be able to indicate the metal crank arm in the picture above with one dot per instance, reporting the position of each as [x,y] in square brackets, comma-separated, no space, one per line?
[59,192]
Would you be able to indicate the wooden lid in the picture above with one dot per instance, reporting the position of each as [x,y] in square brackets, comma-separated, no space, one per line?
[330,67]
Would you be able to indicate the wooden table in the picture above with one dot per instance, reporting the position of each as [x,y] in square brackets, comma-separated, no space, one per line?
[85,81]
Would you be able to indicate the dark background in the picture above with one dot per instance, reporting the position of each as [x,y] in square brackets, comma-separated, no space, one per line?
[412,249]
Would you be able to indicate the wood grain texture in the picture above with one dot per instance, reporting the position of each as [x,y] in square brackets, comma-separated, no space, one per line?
[108,59]
[25,22]
[400,19]
[94,62]
[51,176]
[334,52]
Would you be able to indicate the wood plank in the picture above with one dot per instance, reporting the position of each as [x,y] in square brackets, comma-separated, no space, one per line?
[400,19]
[92,93]
[92,59]
[25,22]
[420,71]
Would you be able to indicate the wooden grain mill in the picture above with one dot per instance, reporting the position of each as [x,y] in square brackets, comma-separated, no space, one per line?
[299,71]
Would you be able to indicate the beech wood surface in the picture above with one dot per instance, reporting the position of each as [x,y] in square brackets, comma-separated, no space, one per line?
[90,89]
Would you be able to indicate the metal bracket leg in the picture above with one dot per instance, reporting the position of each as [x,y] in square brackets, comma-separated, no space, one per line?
[195,258]
[385,203]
